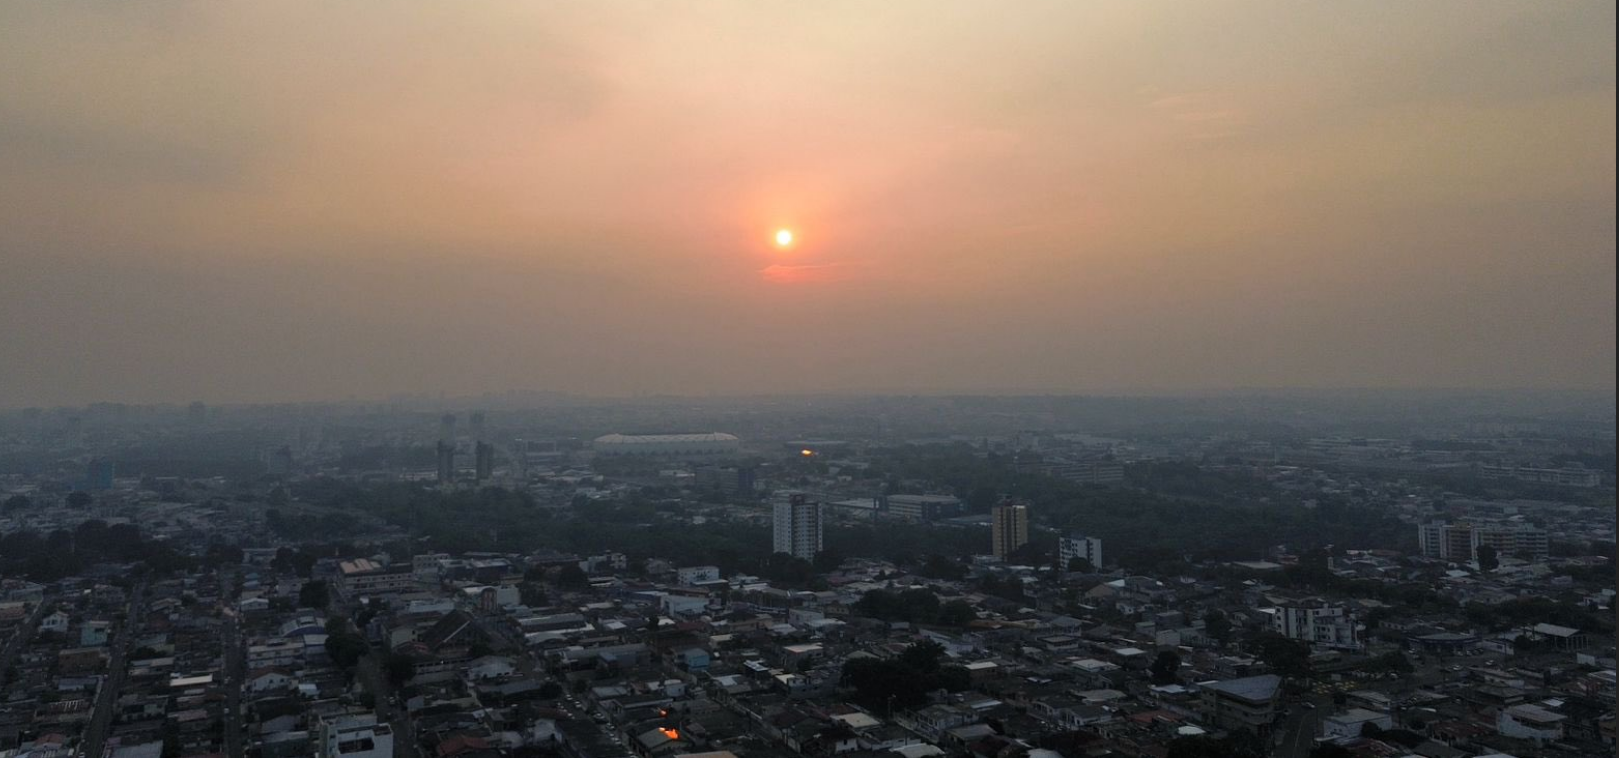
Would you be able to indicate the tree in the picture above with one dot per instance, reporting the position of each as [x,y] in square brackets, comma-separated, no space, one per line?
[1486,555]
[1032,553]
[1395,662]
[1081,564]
[904,681]
[922,657]
[345,649]
[79,499]
[937,566]
[399,669]
[1285,656]
[1218,626]
[16,503]
[1165,667]
[314,594]
[550,691]
[1371,729]
[532,594]
[956,613]
[573,577]
[827,561]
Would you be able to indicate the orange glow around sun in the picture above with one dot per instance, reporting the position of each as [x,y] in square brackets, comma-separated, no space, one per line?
[784,238]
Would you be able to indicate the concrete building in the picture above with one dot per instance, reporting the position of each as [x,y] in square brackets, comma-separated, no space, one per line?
[363,576]
[1247,703]
[98,474]
[1348,725]
[1009,528]
[1317,623]
[728,480]
[483,461]
[354,735]
[1460,543]
[923,507]
[1530,722]
[694,574]
[444,461]
[1560,637]
[797,528]
[1077,546]
[1563,477]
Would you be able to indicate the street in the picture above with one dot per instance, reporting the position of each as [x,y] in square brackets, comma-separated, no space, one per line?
[369,672]
[230,636]
[1297,736]
[107,698]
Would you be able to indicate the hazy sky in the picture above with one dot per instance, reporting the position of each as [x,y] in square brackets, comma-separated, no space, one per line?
[284,201]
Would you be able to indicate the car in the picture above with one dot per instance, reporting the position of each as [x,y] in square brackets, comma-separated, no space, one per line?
[1308,706]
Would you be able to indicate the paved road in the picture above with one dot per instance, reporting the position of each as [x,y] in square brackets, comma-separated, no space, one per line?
[1297,736]
[95,735]
[370,675]
[231,637]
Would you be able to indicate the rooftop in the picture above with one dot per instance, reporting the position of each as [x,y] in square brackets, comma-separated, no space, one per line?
[1253,688]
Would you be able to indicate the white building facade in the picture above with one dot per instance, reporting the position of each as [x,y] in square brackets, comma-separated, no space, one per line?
[1089,548]
[797,528]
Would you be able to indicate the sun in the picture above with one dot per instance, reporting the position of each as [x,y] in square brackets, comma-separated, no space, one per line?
[784,238]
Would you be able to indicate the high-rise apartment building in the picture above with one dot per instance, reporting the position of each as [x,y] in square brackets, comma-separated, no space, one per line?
[1009,528]
[1316,622]
[483,460]
[1076,546]
[797,527]
[1460,543]
[445,461]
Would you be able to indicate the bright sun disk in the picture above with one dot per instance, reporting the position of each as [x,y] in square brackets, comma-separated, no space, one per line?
[784,237]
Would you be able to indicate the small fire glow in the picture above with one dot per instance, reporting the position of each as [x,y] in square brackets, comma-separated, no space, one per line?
[807,452]
[670,733]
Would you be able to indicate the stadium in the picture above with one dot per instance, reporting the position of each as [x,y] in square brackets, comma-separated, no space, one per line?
[666,445]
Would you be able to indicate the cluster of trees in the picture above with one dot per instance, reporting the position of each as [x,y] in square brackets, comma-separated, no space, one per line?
[1167,513]
[62,552]
[303,526]
[936,566]
[1312,572]
[493,518]
[314,595]
[886,684]
[918,606]
[1394,662]
[1288,657]
[1503,616]
[1010,588]
[343,646]
[1218,626]
[1166,668]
